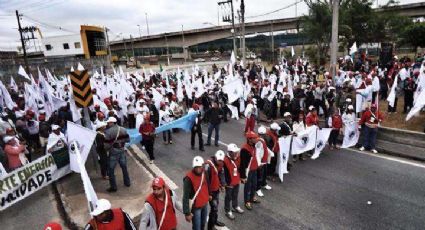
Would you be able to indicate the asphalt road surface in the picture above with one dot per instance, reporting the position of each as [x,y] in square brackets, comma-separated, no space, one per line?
[341,189]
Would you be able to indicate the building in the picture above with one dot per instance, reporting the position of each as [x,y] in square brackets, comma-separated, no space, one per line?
[89,43]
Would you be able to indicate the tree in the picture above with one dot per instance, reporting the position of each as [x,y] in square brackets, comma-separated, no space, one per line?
[414,35]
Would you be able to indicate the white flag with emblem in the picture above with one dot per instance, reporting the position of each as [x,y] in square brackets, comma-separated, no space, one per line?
[284,146]
[304,141]
[85,138]
[321,139]
[351,135]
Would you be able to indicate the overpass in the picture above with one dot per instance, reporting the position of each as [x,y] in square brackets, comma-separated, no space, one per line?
[185,39]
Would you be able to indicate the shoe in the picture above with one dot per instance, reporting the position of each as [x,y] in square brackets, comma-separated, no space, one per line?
[216,145]
[151,162]
[192,147]
[361,148]
[111,190]
[230,215]
[238,210]
[105,177]
[165,143]
[267,187]
[331,148]
[256,201]
[170,142]
[202,150]
[248,206]
[374,151]
[260,193]
[127,185]
[219,224]
[207,144]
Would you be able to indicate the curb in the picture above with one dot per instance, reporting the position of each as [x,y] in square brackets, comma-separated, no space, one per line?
[61,206]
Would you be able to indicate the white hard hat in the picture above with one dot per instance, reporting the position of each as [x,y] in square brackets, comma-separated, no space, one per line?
[111,119]
[348,100]
[219,155]
[7,138]
[198,161]
[262,130]
[287,114]
[311,107]
[54,127]
[351,107]
[233,148]
[101,206]
[275,126]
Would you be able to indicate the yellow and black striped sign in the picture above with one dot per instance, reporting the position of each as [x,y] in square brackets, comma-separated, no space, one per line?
[80,82]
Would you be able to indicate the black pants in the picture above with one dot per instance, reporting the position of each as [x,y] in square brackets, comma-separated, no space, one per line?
[193,133]
[261,176]
[321,103]
[213,216]
[231,197]
[149,148]
[333,137]
[394,109]
[374,94]
[165,134]
[271,169]
[408,101]
[103,161]
[131,121]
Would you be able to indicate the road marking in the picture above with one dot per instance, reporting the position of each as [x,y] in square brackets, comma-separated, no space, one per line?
[390,158]
[213,139]
[155,169]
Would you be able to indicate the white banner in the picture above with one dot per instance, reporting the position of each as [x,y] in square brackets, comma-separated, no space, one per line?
[234,89]
[85,138]
[304,141]
[321,139]
[419,104]
[351,135]
[284,146]
[22,182]
[391,96]
[234,111]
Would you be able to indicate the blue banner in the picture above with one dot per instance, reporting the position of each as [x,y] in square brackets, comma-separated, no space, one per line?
[186,122]
[135,136]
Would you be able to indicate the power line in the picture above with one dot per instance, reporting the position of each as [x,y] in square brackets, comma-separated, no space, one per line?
[42,7]
[275,11]
[48,25]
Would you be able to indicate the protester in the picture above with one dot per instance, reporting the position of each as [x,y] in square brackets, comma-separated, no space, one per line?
[100,149]
[334,122]
[14,152]
[159,211]
[52,226]
[197,129]
[248,169]
[370,121]
[147,130]
[213,116]
[106,217]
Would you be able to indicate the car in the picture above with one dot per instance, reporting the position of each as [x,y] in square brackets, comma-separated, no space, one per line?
[199,60]
[215,59]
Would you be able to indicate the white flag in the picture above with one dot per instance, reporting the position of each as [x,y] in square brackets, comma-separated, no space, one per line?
[13,84]
[391,96]
[5,98]
[80,67]
[419,104]
[234,111]
[22,72]
[85,138]
[284,146]
[353,48]
[157,97]
[232,59]
[321,139]
[234,89]
[292,51]
[351,135]
[304,141]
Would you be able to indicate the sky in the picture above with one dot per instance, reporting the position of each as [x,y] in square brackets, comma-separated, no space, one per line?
[61,17]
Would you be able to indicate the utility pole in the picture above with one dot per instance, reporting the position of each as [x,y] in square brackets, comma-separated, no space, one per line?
[166,43]
[147,23]
[109,47]
[22,42]
[230,18]
[125,47]
[243,31]
[271,25]
[140,31]
[183,45]
[334,42]
[132,47]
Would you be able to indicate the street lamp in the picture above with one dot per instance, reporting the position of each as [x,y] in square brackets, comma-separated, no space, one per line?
[140,31]
[147,23]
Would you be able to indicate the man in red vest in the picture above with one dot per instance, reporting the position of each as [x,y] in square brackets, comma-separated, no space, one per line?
[196,195]
[160,208]
[370,121]
[312,117]
[107,218]
[232,180]
[215,179]
[250,122]
[273,133]
[248,169]
[334,122]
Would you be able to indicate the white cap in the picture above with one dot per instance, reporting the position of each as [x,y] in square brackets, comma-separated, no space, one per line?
[219,155]
[7,138]
[275,126]
[331,88]
[197,161]
[287,114]
[348,100]
[262,130]
[111,119]
[54,127]
[233,148]
[311,107]
[351,107]
[254,100]
[101,206]
[101,124]
[19,114]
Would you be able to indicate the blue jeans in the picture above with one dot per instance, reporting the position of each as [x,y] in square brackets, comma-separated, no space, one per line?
[369,138]
[212,127]
[250,186]
[199,218]
[118,156]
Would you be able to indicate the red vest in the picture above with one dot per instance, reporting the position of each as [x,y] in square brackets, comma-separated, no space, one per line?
[273,135]
[215,181]
[170,220]
[266,151]
[250,124]
[232,166]
[311,120]
[117,223]
[251,151]
[203,196]
[336,121]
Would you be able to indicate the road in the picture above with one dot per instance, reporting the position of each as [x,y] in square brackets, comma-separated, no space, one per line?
[331,192]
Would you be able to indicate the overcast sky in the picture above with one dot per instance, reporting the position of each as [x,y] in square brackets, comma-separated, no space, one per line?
[123,16]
